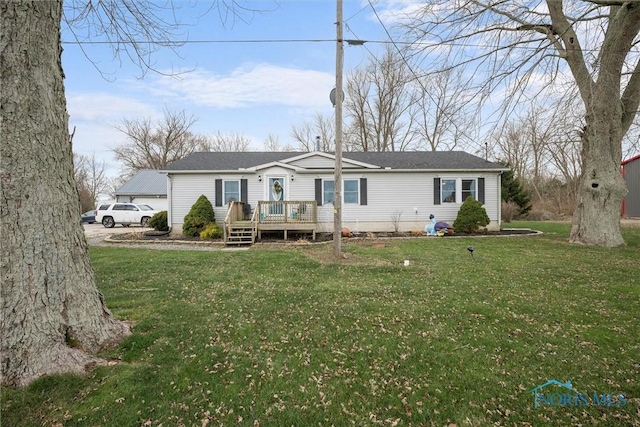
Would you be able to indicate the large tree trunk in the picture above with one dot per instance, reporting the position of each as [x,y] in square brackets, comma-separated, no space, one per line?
[596,219]
[53,317]
[609,113]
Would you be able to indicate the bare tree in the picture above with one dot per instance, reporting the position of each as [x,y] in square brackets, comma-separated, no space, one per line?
[539,132]
[154,145]
[564,145]
[53,319]
[360,133]
[378,105]
[513,148]
[80,175]
[515,46]
[272,143]
[631,142]
[113,184]
[229,142]
[541,145]
[306,134]
[442,120]
[91,177]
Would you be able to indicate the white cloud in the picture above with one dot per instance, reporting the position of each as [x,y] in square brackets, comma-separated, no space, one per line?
[93,116]
[89,106]
[253,85]
[394,12]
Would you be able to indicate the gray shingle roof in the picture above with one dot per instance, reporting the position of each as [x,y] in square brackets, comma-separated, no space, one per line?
[210,161]
[146,182]
[427,160]
[423,160]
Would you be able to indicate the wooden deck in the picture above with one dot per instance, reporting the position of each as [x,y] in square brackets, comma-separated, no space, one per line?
[290,215]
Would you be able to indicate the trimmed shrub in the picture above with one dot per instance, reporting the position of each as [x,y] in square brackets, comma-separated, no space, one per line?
[212,231]
[471,217]
[159,221]
[200,215]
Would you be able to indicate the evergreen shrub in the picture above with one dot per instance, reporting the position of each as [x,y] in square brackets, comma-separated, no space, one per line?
[471,217]
[159,221]
[200,215]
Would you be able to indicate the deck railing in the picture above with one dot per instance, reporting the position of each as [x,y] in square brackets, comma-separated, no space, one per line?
[287,212]
[234,213]
[291,215]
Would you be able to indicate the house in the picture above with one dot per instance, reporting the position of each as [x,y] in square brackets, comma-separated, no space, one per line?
[145,187]
[631,174]
[382,191]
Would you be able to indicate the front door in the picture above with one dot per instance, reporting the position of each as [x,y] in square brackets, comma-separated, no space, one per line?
[276,194]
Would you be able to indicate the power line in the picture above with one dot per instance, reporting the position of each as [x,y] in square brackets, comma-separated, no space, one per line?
[185,42]
[423,44]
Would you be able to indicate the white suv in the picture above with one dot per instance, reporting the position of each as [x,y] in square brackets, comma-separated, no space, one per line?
[126,214]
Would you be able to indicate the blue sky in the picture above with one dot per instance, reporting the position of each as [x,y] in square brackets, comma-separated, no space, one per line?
[255,89]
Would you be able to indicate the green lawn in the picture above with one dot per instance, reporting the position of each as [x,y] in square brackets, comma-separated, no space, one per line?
[270,337]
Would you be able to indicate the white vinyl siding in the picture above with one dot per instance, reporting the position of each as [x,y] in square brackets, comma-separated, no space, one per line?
[410,194]
[185,191]
[314,162]
[320,162]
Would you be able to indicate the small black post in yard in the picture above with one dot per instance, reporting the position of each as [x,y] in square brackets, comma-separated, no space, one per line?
[470,249]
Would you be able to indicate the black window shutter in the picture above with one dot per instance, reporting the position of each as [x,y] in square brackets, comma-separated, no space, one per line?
[319,191]
[243,190]
[481,190]
[436,191]
[218,192]
[363,191]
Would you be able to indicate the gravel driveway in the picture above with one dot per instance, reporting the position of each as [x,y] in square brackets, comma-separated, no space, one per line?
[97,233]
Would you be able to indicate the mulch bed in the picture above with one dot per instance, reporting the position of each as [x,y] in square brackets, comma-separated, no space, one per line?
[278,237]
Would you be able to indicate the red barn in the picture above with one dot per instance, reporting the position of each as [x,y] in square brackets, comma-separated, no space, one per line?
[631,174]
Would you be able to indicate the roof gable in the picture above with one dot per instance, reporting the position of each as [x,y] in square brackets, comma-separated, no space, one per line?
[322,160]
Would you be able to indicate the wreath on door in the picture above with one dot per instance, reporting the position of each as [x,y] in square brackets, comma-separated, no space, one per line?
[277,190]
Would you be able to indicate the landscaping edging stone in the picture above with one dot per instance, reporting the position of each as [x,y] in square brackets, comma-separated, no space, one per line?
[221,244]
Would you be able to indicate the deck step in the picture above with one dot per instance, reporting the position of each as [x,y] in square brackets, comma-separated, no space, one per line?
[241,233]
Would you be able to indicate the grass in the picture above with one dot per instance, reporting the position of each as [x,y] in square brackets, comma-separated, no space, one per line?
[275,337]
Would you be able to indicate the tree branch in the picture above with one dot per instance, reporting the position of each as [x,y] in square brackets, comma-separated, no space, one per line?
[572,49]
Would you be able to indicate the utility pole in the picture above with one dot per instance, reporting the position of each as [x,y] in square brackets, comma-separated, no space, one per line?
[337,178]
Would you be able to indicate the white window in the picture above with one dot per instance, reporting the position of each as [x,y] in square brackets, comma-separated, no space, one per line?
[328,190]
[231,191]
[448,191]
[469,187]
[351,191]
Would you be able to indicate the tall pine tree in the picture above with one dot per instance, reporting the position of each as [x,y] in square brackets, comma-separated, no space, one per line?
[513,190]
